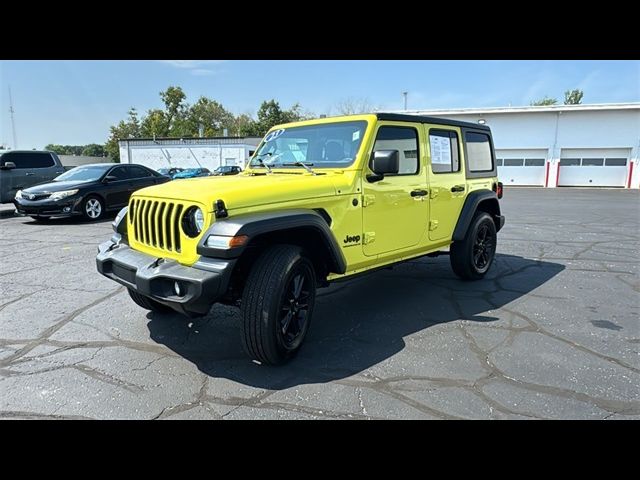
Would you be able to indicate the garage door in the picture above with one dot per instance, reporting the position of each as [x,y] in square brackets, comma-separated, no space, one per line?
[521,167]
[594,168]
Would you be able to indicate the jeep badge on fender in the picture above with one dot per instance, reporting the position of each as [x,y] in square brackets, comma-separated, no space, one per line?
[418,185]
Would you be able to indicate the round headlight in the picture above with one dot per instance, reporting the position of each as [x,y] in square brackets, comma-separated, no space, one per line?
[193,222]
[199,219]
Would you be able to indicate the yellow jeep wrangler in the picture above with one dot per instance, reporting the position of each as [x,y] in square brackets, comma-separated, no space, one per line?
[320,201]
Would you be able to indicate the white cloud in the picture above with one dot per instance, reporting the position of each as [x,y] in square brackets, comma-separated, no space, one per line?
[190,64]
[201,72]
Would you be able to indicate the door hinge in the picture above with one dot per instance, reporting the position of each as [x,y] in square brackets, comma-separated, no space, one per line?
[433,224]
[368,200]
[369,237]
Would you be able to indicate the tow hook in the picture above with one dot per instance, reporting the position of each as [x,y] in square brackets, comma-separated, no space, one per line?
[157,262]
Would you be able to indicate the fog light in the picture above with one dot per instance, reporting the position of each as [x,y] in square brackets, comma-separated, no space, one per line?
[177,287]
[66,209]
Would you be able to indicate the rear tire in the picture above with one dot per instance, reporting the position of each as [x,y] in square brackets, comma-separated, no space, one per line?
[277,304]
[472,257]
[148,303]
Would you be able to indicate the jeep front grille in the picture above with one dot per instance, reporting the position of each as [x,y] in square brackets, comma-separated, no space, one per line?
[156,223]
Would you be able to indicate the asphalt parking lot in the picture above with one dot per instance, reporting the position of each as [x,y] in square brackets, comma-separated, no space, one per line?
[552,332]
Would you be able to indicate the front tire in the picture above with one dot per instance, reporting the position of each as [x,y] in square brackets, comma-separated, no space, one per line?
[93,208]
[148,303]
[277,304]
[472,257]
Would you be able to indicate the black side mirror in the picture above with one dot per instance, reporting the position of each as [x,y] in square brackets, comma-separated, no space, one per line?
[383,162]
[8,166]
[109,178]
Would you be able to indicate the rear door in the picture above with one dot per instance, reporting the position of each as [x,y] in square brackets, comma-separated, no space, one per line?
[141,177]
[447,179]
[24,175]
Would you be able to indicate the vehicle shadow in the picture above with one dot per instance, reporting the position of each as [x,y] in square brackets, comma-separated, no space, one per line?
[76,220]
[356,324]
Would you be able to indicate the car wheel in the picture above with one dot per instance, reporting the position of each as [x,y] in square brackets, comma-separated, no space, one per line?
[148,303]
[93,208]
[277,304]
[472,257]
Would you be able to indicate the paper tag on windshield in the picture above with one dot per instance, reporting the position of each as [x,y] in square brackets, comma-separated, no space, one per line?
[356,135]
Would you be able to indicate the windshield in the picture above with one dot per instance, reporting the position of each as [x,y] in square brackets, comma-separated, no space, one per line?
[82,174]
[327,145]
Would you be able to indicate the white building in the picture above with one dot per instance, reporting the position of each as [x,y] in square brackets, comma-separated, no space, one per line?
[208,153]
[563,145]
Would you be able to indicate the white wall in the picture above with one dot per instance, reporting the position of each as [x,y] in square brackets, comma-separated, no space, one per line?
[185,156]
[586,129]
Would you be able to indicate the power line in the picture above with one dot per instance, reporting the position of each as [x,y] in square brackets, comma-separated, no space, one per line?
[13,122]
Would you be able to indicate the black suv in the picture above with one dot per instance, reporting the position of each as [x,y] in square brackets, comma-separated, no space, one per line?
[227,170]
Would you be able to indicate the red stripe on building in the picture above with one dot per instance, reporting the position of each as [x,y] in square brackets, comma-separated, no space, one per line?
[630,174]
[558,174]
[546,177]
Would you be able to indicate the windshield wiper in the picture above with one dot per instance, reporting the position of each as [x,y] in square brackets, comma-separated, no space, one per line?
[262,164]
[300,164]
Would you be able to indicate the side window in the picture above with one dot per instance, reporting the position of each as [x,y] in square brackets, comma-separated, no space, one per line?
[405,140]
[120,173]
[29,159]
[444,151]
[138,172]
[479,152]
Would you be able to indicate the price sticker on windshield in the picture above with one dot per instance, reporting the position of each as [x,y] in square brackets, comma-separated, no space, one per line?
[273,135]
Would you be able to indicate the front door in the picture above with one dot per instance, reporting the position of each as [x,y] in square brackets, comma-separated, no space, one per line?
[395,209]
[448,182]
[118,191]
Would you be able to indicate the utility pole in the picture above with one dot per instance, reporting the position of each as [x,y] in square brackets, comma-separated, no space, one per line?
[13,122]
[404,94]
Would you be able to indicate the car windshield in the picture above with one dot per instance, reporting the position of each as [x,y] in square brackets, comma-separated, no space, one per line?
[82,174]
[326,145]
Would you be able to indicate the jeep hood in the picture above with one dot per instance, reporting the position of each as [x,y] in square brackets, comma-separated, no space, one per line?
[240,191]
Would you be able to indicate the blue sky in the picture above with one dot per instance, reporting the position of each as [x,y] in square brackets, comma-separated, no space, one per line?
[75,102]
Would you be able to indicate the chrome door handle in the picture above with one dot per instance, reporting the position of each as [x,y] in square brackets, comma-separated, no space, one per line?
[28,174]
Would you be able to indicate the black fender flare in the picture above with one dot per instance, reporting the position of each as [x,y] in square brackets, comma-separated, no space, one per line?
[469,209]
[255,224]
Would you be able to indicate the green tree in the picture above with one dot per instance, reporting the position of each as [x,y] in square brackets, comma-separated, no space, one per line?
[573,97]
[154,124]
[175,112]
[211,115]
[59,149]
[270,114]
[93,150]
[245,126]
[544,101]
[129,128]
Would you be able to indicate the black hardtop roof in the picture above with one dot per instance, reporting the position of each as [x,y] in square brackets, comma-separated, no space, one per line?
[402,117]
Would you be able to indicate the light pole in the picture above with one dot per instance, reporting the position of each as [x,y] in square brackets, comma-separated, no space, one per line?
[404,94]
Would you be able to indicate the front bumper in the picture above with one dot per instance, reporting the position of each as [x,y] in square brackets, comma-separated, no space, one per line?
[203,283]
[48,208]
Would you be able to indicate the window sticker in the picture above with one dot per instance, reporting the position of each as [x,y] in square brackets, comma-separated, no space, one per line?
[440,150]
[355,136]
[273,135]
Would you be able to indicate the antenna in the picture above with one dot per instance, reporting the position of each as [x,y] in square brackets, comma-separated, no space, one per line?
[13,122]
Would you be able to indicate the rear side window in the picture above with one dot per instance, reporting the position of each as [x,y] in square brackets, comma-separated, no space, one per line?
[138,172]
[443,148]
[479,152]
[28,159]
[403,139]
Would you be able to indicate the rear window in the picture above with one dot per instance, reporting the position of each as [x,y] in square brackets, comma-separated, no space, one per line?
[479,152]
[28,159]
[138,172]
